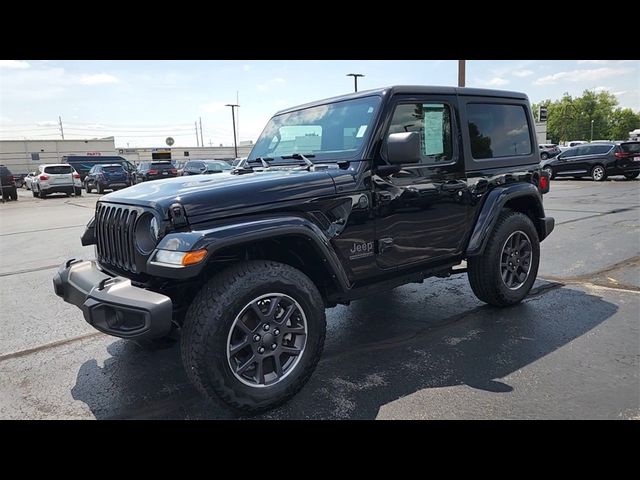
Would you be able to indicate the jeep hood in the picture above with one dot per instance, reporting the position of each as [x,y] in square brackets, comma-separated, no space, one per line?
[206,196]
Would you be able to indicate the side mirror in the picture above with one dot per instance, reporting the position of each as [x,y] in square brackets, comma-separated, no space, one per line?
[403,148]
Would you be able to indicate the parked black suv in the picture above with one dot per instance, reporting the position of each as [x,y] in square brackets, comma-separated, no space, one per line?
[156,170]
[7,184]
[200,167]
[339,199]
[106,177]
[597,160]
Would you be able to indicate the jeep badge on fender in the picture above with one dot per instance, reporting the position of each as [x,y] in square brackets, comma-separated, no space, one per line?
[379,188]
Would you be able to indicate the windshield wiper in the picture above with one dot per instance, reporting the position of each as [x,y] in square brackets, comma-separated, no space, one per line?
[244,165]
[299,156]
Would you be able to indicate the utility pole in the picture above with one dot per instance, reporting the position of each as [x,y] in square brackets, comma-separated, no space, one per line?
[197,139]
[355,79]
[201,140]
[61,130]
[238,117]
[592,130]
[461,72]
[233,118]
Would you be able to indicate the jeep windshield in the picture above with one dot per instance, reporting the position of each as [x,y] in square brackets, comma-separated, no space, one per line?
[330,132]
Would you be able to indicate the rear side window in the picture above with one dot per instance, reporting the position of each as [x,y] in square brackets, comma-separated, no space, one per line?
[632,147]
[498,130]
[597,149]
[59,169]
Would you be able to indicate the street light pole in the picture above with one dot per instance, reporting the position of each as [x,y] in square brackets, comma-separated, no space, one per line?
[592,130]
[355,79]
[233,118]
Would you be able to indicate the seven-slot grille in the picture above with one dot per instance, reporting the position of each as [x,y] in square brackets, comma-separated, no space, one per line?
[114,230]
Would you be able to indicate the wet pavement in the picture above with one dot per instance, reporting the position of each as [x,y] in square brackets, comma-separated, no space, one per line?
[421,351]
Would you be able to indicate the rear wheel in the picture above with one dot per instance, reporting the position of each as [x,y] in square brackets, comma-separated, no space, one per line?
[14,194]
[598,173]
[33,192]
[544,155]
[41,193]
[631,176]
[77,191]
[99,188]
[507,269]
[87,187]
[253,335]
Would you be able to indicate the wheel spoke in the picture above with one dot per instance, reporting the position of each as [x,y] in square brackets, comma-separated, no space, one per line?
[297,330]
[273,305]
[525,255]
[260,371]
[278,364]
[523,243]
[246,330]
[236,348]
[290,350]
[287,314]
[242,368]
[257,311]
[509,278]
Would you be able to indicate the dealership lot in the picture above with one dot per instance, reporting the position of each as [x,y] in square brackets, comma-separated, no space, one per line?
[431,350]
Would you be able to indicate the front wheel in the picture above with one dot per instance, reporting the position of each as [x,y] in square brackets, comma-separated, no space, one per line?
[87,187]
[253,335]
[631,176]
[507,269]
[598,173]
[549,170]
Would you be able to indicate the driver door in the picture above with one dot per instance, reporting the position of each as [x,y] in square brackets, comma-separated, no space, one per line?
[421,210]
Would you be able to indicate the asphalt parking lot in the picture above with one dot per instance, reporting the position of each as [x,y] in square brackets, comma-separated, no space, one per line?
[423,351]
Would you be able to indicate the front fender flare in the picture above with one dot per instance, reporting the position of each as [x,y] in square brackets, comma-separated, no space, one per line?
[247,231]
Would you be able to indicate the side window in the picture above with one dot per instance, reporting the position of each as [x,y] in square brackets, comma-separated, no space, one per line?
[580,151]
[498,130]
[599,149]
[433,122]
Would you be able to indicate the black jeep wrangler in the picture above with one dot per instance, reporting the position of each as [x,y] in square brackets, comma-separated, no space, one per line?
[339,199]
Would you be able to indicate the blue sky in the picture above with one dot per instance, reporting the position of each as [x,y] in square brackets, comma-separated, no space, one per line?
[143,102]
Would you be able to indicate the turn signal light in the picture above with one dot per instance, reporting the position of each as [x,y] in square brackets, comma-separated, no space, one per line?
[194,257]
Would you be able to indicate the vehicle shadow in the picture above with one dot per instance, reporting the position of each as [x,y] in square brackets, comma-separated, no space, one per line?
[368,364]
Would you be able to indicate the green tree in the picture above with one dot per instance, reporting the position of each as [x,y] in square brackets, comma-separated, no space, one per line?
[570,118]
[623,121]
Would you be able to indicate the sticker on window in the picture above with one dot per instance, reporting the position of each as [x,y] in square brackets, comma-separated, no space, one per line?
[361,130]
[433,134]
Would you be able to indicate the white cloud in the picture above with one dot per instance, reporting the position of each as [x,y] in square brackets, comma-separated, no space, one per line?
[587,75]
[213,107]
[522,73]
[607,89]
[494,82]
[98,79]
[14,64]
[263,87]
[246,67]
[47,123]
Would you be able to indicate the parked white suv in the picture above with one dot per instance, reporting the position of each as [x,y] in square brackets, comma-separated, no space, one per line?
[56,178]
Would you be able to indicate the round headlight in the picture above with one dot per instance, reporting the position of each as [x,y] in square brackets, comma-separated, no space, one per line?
[146,233]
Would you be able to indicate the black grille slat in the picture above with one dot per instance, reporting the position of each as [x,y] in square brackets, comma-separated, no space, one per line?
[114,230]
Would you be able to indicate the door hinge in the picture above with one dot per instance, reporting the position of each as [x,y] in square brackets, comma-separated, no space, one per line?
[385,244]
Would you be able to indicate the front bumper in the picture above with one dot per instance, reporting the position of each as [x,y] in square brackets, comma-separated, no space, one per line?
[112,304]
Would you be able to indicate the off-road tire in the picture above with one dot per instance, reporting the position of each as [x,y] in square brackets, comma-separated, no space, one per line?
[631,176]
[484,270]
[213,312]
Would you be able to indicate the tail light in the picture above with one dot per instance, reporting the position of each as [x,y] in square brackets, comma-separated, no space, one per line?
[621,155]
[44,177]
[173,170]
[76,175]
[153,172]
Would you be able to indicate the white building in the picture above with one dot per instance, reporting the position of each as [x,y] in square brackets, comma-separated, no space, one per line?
[24,156]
